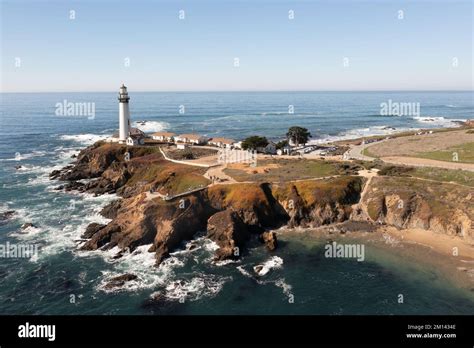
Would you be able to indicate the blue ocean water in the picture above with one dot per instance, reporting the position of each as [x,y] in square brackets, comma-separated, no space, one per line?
[62,280]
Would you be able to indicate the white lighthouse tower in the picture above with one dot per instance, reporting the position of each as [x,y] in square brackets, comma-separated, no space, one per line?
[124,114]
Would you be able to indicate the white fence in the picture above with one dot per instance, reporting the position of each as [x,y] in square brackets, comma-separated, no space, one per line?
[227,156]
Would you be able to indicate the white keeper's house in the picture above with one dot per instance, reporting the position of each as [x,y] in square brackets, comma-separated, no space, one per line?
[163,136]
[221,142]
[195,139]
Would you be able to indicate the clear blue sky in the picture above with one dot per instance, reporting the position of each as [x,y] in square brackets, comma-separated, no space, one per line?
[275,53]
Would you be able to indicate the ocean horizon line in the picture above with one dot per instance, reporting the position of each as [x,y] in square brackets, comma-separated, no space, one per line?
[258,91]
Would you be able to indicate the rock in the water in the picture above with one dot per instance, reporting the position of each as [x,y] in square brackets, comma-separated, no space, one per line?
[54,174]
[172,225]
[6,215]
[27,225]
[469,123]
[270,240]
[102,237]
[92,229]
[228,230]
[73,186]
[191,246]
[257,269]
[120,280]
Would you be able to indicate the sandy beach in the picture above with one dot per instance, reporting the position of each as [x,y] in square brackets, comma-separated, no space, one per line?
[441,243]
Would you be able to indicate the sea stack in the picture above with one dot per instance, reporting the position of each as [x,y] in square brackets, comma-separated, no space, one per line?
[124,114]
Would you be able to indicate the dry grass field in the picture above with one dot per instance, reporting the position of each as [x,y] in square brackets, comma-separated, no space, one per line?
[451,146]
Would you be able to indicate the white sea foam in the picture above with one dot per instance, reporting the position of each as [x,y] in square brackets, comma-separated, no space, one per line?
[4,206]
[386,130]
[274,262]
[150,126]
[278,113]
[24,156]
[59,227]
[26,168]
[438,121]
[359,133]
[84,139]
[30,231]
[65,153]
[140,263]
[244,272]
[39,180]
[281,283]
[388,239]
[60,157]
[204,244]
[225,262]
[205,285]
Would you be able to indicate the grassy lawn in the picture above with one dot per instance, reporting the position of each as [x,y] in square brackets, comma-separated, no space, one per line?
[287,170]
[169,177]
[343,189]
[465,154]
[186,182]
[462,177]
[366,152]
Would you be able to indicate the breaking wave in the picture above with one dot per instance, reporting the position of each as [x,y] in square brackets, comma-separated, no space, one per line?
[359,133]
[84,139]
[439,121]
[151,126]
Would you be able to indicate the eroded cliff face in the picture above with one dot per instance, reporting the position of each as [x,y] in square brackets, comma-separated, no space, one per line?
[233,213]
[313,203]
[412,203]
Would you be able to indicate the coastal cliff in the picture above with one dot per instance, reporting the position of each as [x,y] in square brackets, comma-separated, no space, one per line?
[155,208]
[408,203]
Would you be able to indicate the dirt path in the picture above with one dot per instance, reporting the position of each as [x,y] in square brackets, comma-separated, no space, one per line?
[368,174]
[207,161]
[150,196]
[218,173]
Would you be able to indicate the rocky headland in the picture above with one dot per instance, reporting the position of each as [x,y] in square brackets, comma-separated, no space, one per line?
[155,209]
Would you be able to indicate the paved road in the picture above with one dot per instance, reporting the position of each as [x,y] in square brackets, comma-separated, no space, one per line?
[355,152]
